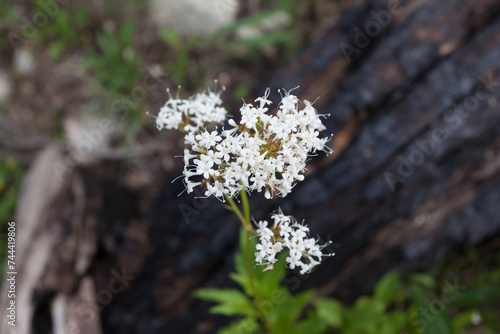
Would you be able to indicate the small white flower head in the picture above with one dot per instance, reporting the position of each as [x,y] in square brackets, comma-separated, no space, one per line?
[263,152]
[193,114]
[304,253]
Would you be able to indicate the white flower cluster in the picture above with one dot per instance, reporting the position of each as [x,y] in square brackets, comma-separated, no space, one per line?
[191,115]
[304,252]
[263,152]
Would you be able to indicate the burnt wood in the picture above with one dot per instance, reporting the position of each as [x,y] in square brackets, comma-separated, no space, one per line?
[413,91]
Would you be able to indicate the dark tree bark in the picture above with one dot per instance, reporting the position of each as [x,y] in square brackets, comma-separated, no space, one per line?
[416,169]
[413,94]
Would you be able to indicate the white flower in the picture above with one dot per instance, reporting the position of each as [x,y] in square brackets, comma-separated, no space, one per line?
[217,189]
[214,157]
[304,253]
[208,139]
[262,152]
[204,166]
[263,231]
[191,115]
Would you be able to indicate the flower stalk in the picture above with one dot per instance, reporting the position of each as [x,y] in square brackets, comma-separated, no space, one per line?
[245,219]
[264,153]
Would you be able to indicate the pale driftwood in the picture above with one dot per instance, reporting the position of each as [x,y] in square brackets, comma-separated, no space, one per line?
[55,244]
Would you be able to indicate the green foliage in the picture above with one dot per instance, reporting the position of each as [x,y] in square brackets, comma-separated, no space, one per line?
[424,280]
[242,91]
[230,301]
[330,311]
[114,64]
[115,68]
[269,306]
[180,68]
[8,13]
[388,287]
[369,314]
[454,304]
[418,303]
[63,30]
[265,304]
[282,37]
[246,325]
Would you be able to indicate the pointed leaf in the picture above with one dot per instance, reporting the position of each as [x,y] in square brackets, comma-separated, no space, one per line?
[391,323]
[330,310]
[484,294]
[247,325]
[270,280]
[230,301]
[431,321]
[387,288]
[310,326]
[424,280]
[243,281]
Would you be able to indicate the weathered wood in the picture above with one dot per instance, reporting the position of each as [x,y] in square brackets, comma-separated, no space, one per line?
[389,104]
[55,242]
[416,171]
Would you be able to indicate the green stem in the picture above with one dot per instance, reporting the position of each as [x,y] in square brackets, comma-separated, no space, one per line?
[236,210]
[246,209]
[245,220]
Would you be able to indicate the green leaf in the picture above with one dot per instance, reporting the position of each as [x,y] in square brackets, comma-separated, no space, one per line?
[268,281]
[310,326]
[300,301]
[463,320]
[265,282]
[240,265]
[244,22]
[391,323]
[424,280]
[171,37]
[288,308]
[363,316]
[127,33]
[286,5]
[7,204]
[81,15]
[483,294]
[272,37]
[330,310]
[388,287]
[431,314]
[247,325]
[231,301]
[243,281]
[56,49]
[242,91]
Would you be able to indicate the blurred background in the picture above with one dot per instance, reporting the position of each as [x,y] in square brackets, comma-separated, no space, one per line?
[412,88]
